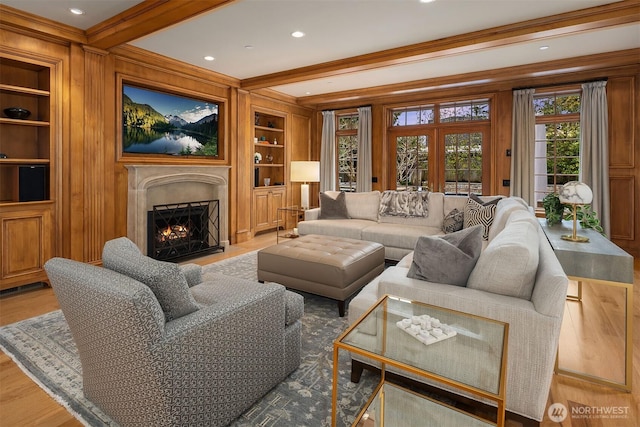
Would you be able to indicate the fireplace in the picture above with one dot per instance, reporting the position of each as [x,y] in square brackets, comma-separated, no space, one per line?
[168,185]
[182,230]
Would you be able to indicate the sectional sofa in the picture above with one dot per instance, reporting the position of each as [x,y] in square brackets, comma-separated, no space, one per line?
[516,279]
[369,218]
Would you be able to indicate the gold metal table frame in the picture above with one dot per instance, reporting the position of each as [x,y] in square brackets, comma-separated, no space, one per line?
[384,360]
[600,262]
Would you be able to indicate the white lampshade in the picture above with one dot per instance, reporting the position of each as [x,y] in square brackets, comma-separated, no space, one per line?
[305,171]
[575,193]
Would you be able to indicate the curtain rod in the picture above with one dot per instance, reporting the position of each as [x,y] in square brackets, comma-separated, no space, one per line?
[562,84]
[349,108]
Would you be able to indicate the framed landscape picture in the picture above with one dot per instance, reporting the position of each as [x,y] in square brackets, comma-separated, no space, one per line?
[161,123]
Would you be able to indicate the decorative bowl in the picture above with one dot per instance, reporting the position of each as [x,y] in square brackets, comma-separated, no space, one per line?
[16,113]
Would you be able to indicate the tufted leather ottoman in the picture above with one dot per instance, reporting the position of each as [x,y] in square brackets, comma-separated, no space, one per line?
[333,267]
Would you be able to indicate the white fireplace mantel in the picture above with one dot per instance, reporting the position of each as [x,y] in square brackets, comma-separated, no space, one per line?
[151,185]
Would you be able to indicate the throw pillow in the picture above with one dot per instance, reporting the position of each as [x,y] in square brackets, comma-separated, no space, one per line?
[331,208]
[405,204]
[165,279]
[447,259]
[454,221]
[480,213]
[509,264]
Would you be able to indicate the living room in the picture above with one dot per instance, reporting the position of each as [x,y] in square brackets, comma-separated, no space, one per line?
[89,194]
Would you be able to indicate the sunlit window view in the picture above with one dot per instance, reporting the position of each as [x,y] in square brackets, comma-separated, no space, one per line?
[439,147]
[557,141]
[347,140]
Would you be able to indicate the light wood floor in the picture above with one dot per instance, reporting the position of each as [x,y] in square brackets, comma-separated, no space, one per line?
[591,340]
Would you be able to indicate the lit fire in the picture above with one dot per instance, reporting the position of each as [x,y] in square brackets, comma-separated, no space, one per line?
[173,232]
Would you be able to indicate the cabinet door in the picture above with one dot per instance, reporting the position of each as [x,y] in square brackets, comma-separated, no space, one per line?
[25,245]
[277,201]
[261,210]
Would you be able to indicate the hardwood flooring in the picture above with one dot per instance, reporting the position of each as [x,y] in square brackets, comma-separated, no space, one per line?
[591,339]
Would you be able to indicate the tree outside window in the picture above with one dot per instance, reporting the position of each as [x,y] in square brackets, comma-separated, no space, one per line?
[347,141]
[557,141]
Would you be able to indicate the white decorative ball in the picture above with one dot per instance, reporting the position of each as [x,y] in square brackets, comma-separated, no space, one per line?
[574,192]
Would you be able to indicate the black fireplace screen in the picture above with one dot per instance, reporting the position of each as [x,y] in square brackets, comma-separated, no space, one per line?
[182,230]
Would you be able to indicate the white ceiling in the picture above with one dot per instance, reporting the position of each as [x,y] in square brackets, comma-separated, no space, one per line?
[250,38]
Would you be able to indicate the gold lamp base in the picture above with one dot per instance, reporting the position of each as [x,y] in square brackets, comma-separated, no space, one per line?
[574,237]
[569,237]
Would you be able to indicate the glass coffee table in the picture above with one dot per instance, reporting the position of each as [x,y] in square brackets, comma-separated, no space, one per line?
[458,351]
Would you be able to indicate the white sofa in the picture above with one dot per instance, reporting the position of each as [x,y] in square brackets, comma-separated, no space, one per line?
[534,319]
[397,234]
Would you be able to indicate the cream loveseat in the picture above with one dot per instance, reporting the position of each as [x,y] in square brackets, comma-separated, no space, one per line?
[367,219]
[517,279]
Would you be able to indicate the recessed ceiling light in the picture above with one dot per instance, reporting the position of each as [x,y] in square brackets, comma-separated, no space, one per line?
[248,46]
[209,58]
[427,1]
[544,47]
[297,34]
[76,11]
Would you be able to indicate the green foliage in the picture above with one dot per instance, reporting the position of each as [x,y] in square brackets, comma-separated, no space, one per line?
[553,209]
[555,212]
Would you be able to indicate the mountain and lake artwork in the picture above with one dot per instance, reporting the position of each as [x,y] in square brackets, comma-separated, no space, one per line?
[161,123]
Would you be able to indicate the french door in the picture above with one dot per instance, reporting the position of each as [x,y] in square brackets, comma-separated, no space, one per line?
[449,159]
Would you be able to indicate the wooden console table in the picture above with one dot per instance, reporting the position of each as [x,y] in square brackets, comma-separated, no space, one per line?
[600,262]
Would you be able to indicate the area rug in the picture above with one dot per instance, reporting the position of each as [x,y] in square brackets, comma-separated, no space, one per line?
[44,349]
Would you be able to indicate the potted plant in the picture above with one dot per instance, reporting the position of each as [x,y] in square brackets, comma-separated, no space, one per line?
[555,212]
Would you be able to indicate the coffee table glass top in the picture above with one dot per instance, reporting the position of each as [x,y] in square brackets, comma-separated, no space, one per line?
[468,349]
[395,406]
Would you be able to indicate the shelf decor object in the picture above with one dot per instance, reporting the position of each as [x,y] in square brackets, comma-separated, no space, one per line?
[575,193]
[17,113]
[305,172]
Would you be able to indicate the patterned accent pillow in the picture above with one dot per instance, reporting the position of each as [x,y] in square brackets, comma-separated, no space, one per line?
[165,279]
[480,213]
[447,259]
[454,221]
[406,204]
[331,208]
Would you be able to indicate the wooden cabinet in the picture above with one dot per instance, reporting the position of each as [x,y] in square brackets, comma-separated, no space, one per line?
[266,202]
[25,244]
[270,160]
[27,166]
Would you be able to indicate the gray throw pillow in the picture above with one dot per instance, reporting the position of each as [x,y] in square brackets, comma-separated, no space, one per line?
[165,279]
[331,208]
[454,221]
[447,259]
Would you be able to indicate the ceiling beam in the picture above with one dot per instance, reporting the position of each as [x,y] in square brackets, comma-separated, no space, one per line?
[145,18]
[609,15]
[539,72]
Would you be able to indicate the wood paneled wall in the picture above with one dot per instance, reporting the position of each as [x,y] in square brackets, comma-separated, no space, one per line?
[623,91]
[92,199]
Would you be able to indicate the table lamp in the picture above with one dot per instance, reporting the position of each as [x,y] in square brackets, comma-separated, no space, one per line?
[575,193]
[305,172]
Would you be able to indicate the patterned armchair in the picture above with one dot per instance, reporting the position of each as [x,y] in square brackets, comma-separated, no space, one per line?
[224,344]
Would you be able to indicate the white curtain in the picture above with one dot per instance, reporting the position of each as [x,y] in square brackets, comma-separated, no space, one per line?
[594,148]
[523,146]
[328,152]
[364,170]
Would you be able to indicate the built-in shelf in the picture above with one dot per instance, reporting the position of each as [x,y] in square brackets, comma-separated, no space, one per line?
[24,161]
[23,122]
[24,90]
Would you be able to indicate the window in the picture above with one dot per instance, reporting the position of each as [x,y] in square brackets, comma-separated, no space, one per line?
[440,146]
[347,140]
[557,141]
[412,162]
